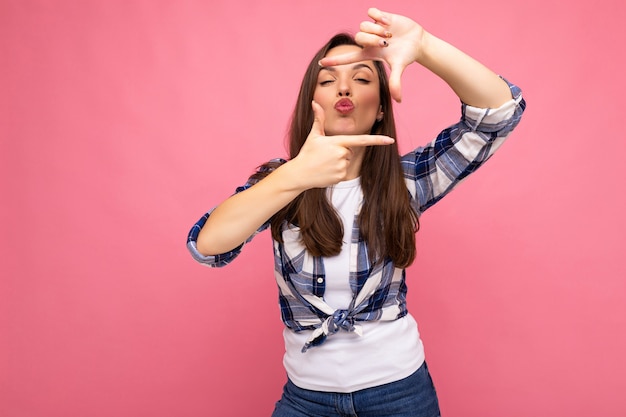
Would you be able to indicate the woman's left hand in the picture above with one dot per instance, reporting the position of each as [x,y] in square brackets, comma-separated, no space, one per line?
[392,38]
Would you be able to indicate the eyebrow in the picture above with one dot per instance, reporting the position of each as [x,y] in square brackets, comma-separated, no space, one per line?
[354,67]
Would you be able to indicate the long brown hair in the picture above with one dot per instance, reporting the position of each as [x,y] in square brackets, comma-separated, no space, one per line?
[387,222]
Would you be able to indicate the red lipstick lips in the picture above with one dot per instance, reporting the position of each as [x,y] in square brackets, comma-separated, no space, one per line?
[344,106]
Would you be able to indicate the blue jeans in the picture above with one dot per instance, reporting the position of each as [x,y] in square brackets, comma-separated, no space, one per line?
[413,396]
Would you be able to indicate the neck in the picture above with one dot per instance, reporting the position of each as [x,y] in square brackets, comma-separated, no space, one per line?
[354,170]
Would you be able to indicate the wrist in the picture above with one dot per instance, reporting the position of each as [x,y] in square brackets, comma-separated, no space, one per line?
[427,49]
[289,179]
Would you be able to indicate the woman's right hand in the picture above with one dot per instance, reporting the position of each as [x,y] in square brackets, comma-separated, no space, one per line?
[323,161]
[326,160]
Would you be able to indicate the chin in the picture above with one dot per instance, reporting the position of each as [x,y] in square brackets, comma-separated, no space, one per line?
[346,130]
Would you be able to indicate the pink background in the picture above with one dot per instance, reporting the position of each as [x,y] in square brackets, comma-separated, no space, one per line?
[121,122]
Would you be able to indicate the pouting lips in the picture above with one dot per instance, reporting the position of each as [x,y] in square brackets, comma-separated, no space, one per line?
[344,106]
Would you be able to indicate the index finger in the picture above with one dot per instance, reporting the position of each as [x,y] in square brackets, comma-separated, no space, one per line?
[348,58]
[363,140]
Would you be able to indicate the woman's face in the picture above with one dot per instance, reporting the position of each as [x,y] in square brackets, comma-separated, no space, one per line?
[349,95]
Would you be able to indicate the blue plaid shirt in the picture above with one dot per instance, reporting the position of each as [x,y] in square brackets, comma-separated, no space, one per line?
[379,291]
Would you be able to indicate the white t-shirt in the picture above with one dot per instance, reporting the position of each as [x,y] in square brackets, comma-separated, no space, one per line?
[386,352]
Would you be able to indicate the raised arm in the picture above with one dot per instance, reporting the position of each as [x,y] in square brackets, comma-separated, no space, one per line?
[399,41]
[322,161]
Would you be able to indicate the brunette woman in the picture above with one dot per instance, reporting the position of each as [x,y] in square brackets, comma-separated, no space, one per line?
[343,209]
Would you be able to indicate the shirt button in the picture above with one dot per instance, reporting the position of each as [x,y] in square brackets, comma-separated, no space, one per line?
[320,280]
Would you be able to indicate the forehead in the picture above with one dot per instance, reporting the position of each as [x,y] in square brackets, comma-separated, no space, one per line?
[342,49]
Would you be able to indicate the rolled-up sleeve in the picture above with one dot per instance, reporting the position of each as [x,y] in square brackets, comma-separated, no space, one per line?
[216,261]
[432,171]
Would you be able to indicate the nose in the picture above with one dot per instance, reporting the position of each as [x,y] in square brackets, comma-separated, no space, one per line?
[343,89]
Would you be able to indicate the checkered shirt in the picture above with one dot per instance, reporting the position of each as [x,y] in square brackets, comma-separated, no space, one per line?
[431,172]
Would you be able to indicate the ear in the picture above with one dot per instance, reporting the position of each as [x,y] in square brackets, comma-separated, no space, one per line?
[380,115]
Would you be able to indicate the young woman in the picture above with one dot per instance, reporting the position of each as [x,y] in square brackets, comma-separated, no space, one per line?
[343,211]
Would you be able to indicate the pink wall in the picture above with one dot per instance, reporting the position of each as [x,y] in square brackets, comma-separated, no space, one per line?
[121,122]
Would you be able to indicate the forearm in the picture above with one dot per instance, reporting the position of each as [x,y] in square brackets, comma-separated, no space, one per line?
[238,217]
[475,84]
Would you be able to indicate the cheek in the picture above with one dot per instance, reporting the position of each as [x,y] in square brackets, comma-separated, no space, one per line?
[317,97]
[321,97]
[370,99]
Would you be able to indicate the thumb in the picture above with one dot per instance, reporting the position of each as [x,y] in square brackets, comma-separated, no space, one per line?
[395,84]
[319,119]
